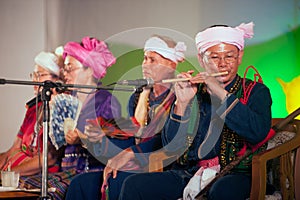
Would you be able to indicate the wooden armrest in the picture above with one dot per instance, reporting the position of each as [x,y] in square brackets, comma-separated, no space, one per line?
[297,174]
[156,161]
[259,163]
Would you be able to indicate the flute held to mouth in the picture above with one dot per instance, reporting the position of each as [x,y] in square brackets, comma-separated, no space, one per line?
[187,79]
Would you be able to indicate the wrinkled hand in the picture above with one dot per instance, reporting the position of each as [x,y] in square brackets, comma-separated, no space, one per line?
[72,136]
[185,91]
[116,163]
[214,86]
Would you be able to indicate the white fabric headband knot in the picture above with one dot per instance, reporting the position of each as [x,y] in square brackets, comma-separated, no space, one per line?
[159,46]
[215,35]
[48,61]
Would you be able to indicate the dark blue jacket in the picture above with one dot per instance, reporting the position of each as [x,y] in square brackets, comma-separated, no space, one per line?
[251,121]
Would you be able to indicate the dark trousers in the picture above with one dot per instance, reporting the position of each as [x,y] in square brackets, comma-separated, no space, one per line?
[85,186]
[153,186]
[169,185]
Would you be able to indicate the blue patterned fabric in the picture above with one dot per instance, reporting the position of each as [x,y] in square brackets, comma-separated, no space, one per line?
[63,106]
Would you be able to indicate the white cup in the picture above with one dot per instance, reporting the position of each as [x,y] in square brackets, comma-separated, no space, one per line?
[15,180]
[10,178]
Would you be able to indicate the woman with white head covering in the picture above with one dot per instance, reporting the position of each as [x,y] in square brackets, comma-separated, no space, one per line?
[234,114]
[23,155]
[47,67]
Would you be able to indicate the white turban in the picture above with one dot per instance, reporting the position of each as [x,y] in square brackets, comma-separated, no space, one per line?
[159,46]
[218,34]
[48,61]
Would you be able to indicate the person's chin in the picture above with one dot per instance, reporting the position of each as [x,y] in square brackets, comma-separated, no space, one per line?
[223,79]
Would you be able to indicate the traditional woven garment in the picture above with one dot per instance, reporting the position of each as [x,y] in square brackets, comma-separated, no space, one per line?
[101,103]
[155,118]
[141,110]
[31,134]
[141,113]
[60,181]
[231,145]
[158,116]
[231,142]
[125,128]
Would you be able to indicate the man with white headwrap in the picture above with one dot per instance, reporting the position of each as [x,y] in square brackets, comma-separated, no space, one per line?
[148,110]
[234,113]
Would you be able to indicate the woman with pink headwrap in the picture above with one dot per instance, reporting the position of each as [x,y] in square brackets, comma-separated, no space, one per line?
[234,113]
[86,64]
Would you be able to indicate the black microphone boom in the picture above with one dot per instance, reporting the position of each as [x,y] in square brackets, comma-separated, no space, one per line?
[137,82]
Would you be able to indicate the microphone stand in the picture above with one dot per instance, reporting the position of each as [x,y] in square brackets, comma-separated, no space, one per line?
[46,97]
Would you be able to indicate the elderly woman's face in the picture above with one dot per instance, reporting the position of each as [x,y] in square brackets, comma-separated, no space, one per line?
[222,58]
[157,67]
[74,72]
[41,74]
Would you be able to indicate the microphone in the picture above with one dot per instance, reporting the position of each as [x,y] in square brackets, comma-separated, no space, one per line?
[137,82]
[59,87]
[2,81]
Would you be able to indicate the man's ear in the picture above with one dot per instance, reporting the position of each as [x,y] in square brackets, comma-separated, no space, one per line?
[172,64]
[240,57]
[200,59]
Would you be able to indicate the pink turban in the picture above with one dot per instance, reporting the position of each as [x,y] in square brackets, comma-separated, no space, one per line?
[218,34]
[92,53]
